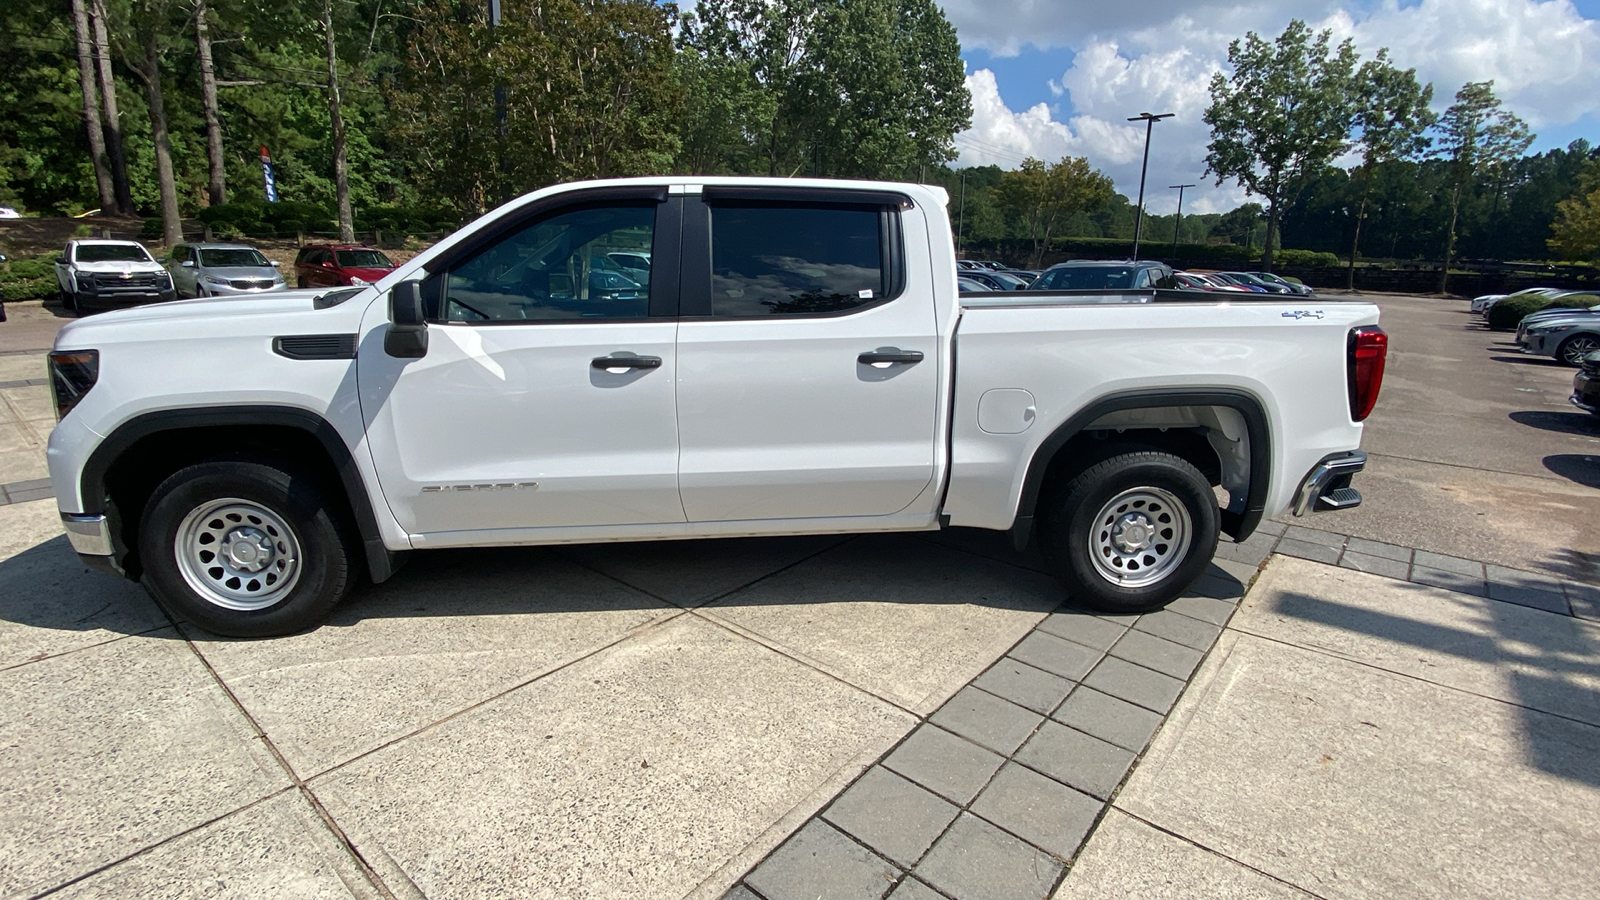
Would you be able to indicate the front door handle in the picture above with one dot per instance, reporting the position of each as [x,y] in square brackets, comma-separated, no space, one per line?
[887,356]
[626,362]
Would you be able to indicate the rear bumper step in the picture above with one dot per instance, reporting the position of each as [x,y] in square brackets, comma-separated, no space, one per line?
[1327,486]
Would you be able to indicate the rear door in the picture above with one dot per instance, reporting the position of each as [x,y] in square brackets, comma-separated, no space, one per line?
[545,399]
[807,358]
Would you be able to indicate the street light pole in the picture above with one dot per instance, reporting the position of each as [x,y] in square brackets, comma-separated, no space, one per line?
[1149,121]
[961,215]
[1179,226]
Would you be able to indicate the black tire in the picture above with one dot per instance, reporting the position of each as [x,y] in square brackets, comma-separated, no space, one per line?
[326,565]
[68,302]
[1575,348]
[81,307]
[300,283]
[1070,527]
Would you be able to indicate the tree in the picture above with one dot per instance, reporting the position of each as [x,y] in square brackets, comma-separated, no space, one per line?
[144,44]
[91,105]
[1478,138]
[1576,231]
[116,155]
[1042,196]
[1239,225]
[218,186]
[341,165]
[1283,114]
[1392,115]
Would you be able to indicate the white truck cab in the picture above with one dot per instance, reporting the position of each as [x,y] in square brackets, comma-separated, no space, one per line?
[798,360]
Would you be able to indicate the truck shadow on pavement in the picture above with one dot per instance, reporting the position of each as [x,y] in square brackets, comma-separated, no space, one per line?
[1548,664]
[1577,467]
[1581,424]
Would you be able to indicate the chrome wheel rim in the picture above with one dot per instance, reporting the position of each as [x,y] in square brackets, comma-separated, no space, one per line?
[237,554]
[1579,347]
[1139,537]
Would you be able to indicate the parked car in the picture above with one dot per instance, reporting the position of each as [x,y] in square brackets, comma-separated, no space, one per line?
[1240,283]
[336,265]
[250,458]
[213,270]
[1546,314]
[1567,338]
[1295,287]
[1197,282]
[1256,281]
[999,281]
[1586,385]
[7,212]
[1483,303]
[965,284]
[634,265]
[96,275]
[1087,274]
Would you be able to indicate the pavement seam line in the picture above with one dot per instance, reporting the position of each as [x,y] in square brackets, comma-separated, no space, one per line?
[148,848]
[1332,654]
[1219,854]
[119,638]
[1435,462]
[305,791]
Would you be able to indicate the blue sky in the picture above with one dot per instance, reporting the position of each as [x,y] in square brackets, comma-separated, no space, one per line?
[1057,77]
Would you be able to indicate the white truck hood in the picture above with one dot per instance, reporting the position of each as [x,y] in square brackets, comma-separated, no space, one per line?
[116,267]
[264,313]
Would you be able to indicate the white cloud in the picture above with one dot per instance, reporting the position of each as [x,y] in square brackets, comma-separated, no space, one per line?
[1543,56]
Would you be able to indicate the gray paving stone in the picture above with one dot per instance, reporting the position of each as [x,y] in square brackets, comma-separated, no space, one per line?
[1307,550]
[1206,609]
[1269,526]
[27,494]
[740,892]
[1379,549]
[1522,578]
[912,889]
[1314,536]
[1073,758]
[977,861]
[1449,563]
[1229,589]
[1053,654]
[1126,620]
[1082,628]
[1251,552]
[1549,601]
[818,862]
[1585,600]
[951,767]
[1238,571]
[1108,718]
[1042,812]
[986,719]
[1377,565]
[1180,628]
[1024,685]
[1136,684]
[1466,584]
[1157,653]
[891,815]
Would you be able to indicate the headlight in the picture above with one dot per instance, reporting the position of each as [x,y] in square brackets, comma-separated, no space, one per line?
[1551,329]
[72,374]
[357,279]
[212,279]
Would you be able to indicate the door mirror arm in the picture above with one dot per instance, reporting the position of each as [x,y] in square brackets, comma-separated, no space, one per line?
[407,337]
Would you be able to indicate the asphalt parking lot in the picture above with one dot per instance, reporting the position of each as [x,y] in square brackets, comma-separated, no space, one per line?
[855,716]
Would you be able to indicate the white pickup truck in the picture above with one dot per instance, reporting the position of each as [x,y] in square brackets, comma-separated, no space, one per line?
[797,360]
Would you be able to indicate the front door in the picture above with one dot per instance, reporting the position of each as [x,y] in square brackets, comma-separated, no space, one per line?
[808,360]
[545,399]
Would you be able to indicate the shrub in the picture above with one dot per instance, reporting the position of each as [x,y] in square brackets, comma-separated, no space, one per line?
[151,229]
[1291,257]
[27,288]
[1508,313]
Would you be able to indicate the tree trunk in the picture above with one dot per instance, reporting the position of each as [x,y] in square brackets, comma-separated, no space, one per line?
[149,71]
[1355,242]
[1272,230]
[208,102]
[113,119]
[1450,240]
[91,107]
[341,168]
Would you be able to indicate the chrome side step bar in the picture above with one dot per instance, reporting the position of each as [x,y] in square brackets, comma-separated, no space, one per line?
[1327,486]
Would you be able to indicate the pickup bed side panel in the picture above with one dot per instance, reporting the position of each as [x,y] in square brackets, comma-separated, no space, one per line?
[1068,357]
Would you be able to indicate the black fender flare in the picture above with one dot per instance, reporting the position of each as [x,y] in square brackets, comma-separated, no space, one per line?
[381,561]
[1237,525]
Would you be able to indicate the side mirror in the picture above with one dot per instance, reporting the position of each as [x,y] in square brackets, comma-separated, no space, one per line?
[407,337]
[187,264]
[61,260]
[274,262]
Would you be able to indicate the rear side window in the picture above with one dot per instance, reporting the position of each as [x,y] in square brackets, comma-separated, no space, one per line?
[797,259]
[1086,278]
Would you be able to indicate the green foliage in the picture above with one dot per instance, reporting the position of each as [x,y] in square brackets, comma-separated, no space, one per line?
[1506,314]
[1292,257]
[1576,230]
[1041,195]
[28,279]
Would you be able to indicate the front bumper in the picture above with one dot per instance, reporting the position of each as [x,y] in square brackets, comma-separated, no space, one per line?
[90,537]
[120,299]
[1327,486]
[228,290]
[1586,392]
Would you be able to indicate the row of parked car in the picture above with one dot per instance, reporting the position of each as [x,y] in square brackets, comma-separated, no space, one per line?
[1568,331]
[987,275]
[94,275]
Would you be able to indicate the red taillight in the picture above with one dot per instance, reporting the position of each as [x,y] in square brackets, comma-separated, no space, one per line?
[1369,348]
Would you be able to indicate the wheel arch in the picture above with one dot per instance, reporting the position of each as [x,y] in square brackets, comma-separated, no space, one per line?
[1238,525]
[179,437]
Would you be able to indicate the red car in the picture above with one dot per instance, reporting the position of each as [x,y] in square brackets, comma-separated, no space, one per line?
[333,265]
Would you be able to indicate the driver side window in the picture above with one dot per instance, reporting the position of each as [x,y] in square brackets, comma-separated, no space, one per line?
[559,268]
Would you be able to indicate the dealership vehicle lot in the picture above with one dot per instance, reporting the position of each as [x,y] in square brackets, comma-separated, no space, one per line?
[654,720]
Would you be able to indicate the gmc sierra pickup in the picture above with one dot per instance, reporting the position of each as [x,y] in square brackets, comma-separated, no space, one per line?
[796,360]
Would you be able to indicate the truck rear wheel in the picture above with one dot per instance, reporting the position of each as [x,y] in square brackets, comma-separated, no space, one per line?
[245,549]
[1132,532]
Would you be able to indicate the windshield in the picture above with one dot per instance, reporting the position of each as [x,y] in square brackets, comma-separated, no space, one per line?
[362,259]
[1086,278]
[230,257]
[93,253]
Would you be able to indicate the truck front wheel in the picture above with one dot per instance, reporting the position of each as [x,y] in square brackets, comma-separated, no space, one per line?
[245,549]
[1131,532]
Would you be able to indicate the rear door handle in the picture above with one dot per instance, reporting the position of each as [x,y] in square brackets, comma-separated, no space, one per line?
[886,356]
[626,362]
